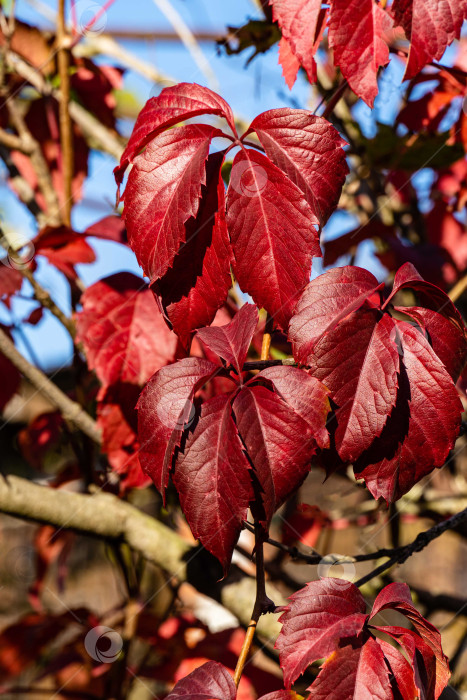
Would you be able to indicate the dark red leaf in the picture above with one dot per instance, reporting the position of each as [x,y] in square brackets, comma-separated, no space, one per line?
[359,361]
[196,286]
[356,34]
[347,244]
[110,228]
[11,281]
[430,26]
[317,618]
[299,21]
[124,335]
[231,342]
[447,340]
[272,234]
[309,151]
[353,674]
[212,478]
[305,394]
[401,673]
[424,424]
[164,407]
[211,681]
[325,302]
[35,316]
[162,193]
[173,105]
[63,248]
[279,443]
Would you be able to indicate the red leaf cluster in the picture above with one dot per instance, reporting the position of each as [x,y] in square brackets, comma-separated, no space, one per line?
[327,619]
[391,380]
[186,234]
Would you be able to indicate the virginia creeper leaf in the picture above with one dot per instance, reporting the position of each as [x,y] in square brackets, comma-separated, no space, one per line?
[431,26]
[162,193]
[359,361]
[279,443]
[298,20]
[401,676]
[211,681]
[305,394]
[423,427]
[356,34]
[318,616]
[164,407]
[173,105]
[353,674]
[308,149]
[196,286]
[272,234]
[290,64]
[124,335]
[231,342]
[325,302]
[212,479]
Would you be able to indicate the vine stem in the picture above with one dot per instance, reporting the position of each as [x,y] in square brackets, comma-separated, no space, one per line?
[66,134]
[262,605]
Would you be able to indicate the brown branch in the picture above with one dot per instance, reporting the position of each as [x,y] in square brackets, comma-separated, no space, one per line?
[421,541]
[335,98]
[44,298]
[458,289]
[105,516]
[66,134]
[22,187]
[70,410]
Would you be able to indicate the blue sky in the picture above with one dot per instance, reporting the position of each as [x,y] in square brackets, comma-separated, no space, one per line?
[249,91]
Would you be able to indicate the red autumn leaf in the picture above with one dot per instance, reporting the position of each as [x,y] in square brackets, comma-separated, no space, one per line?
[299,22]
[347,244]
[263,208]
[356,34]
[424,425]
[231,342]
[11,281]
[305,394]
[110,228]
[63,248]
[325,302]
[327,619]
[317,618]
[163,192]
[308,149]
[213,480]
[123,333]
[173,105]
[196,285]
[211,681]
[430,26]
[40,437]
[290,64]
[117,420]
[279,443]
[164,407]
[445,230]
[396,596]
[359,362]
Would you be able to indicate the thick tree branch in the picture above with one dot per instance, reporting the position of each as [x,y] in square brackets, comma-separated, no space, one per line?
[69,409]
[105,516]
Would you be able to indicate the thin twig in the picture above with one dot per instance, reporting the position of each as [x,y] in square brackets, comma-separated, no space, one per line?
[458,289]
[421,541]
[66,134]
[335,98]
[70,410]
[44,298]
